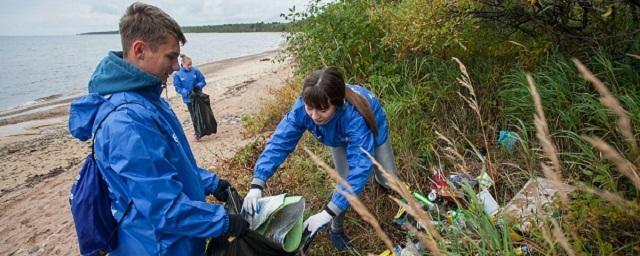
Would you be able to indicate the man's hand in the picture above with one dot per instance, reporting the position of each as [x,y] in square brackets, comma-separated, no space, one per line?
[316,222]
[250,205]
[221,190]
[238,227]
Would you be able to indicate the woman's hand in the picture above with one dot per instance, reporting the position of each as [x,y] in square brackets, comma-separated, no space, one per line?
[316,222]
[250,205]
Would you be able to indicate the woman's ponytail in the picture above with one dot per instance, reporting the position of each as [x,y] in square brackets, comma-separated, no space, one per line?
[363,107]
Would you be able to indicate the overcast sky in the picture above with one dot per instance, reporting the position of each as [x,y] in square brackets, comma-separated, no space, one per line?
[68,17]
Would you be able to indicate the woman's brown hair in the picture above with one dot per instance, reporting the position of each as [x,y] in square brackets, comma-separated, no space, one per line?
[326,86]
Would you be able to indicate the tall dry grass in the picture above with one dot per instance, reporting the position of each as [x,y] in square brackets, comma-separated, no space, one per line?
[413,208]
[554,171]
[472,102]
[607,99]
[356,204]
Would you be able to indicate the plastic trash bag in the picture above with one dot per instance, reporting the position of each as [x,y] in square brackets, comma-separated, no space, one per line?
[278,228]
[204,121]
[280,220]
[507,139]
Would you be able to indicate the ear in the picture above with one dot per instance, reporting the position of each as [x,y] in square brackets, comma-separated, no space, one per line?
[138,47]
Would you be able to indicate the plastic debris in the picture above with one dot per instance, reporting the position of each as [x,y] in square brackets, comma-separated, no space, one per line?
[523,250]
[537,192]
[458,179]
[484,180]
[280,220]
[387,252]
[490,205]
[507,139]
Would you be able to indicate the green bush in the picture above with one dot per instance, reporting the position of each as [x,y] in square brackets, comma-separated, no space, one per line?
[402,51]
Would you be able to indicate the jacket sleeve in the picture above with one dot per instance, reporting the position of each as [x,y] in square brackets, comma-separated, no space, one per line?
[209,180]
[177,83]
[200,82]
[140,157]
[281,144]
[360,166]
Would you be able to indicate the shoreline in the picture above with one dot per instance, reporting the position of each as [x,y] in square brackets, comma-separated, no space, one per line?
[47,111]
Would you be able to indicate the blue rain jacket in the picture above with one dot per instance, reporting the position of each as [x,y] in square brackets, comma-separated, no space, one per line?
[186,80]
[144,156]
[347,129]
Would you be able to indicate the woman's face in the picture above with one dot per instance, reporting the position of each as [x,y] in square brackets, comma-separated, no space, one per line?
[320,116]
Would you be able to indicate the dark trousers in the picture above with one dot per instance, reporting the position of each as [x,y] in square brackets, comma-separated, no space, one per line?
[193,119]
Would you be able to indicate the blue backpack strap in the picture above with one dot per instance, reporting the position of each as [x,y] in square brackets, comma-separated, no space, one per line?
[93,141]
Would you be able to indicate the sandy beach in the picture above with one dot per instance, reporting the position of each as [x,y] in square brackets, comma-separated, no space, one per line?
[39,159]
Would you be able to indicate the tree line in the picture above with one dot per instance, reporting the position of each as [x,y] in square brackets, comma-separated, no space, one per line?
[224,28]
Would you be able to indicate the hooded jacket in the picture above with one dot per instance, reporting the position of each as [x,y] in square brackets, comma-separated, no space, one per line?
[144,157]
[347,128]
[186,80]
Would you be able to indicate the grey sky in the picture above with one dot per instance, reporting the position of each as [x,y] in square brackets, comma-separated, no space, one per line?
[67,17]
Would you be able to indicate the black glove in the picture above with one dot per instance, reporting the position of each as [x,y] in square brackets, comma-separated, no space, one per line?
[237,226]
[221,190]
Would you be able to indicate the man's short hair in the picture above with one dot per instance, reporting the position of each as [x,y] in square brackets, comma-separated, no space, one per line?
[148,23]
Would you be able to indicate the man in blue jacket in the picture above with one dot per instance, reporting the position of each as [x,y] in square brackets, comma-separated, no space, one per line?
[141,149]
[188,80]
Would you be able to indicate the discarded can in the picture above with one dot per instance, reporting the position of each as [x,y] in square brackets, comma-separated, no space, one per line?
[433,195]
[456,218]
[424,201]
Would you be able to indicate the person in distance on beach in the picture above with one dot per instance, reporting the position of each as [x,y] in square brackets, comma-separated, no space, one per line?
[188,80]
[344,117]
[141,149]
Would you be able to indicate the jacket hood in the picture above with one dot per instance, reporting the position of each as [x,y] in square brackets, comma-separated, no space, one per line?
[113,74]
[84,113]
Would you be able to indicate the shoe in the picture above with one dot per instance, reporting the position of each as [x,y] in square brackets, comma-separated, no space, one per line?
[196,137]
[340,240]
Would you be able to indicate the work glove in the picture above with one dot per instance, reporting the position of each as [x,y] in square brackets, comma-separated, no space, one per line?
[250,205]
[221,190]
[316,222]
[237,226]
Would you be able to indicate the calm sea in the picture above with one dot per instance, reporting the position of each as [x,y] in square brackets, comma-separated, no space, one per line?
[36,68]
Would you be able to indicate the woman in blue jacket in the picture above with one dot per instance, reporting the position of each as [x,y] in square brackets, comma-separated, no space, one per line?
[187,80]
[344,117]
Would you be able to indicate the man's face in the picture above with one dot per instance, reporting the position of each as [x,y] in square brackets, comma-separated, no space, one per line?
[163,61]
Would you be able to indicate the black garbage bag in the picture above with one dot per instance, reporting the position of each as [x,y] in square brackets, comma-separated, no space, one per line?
[251,244]
[203,120]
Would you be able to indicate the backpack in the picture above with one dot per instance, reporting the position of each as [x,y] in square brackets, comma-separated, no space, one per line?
[96,228]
